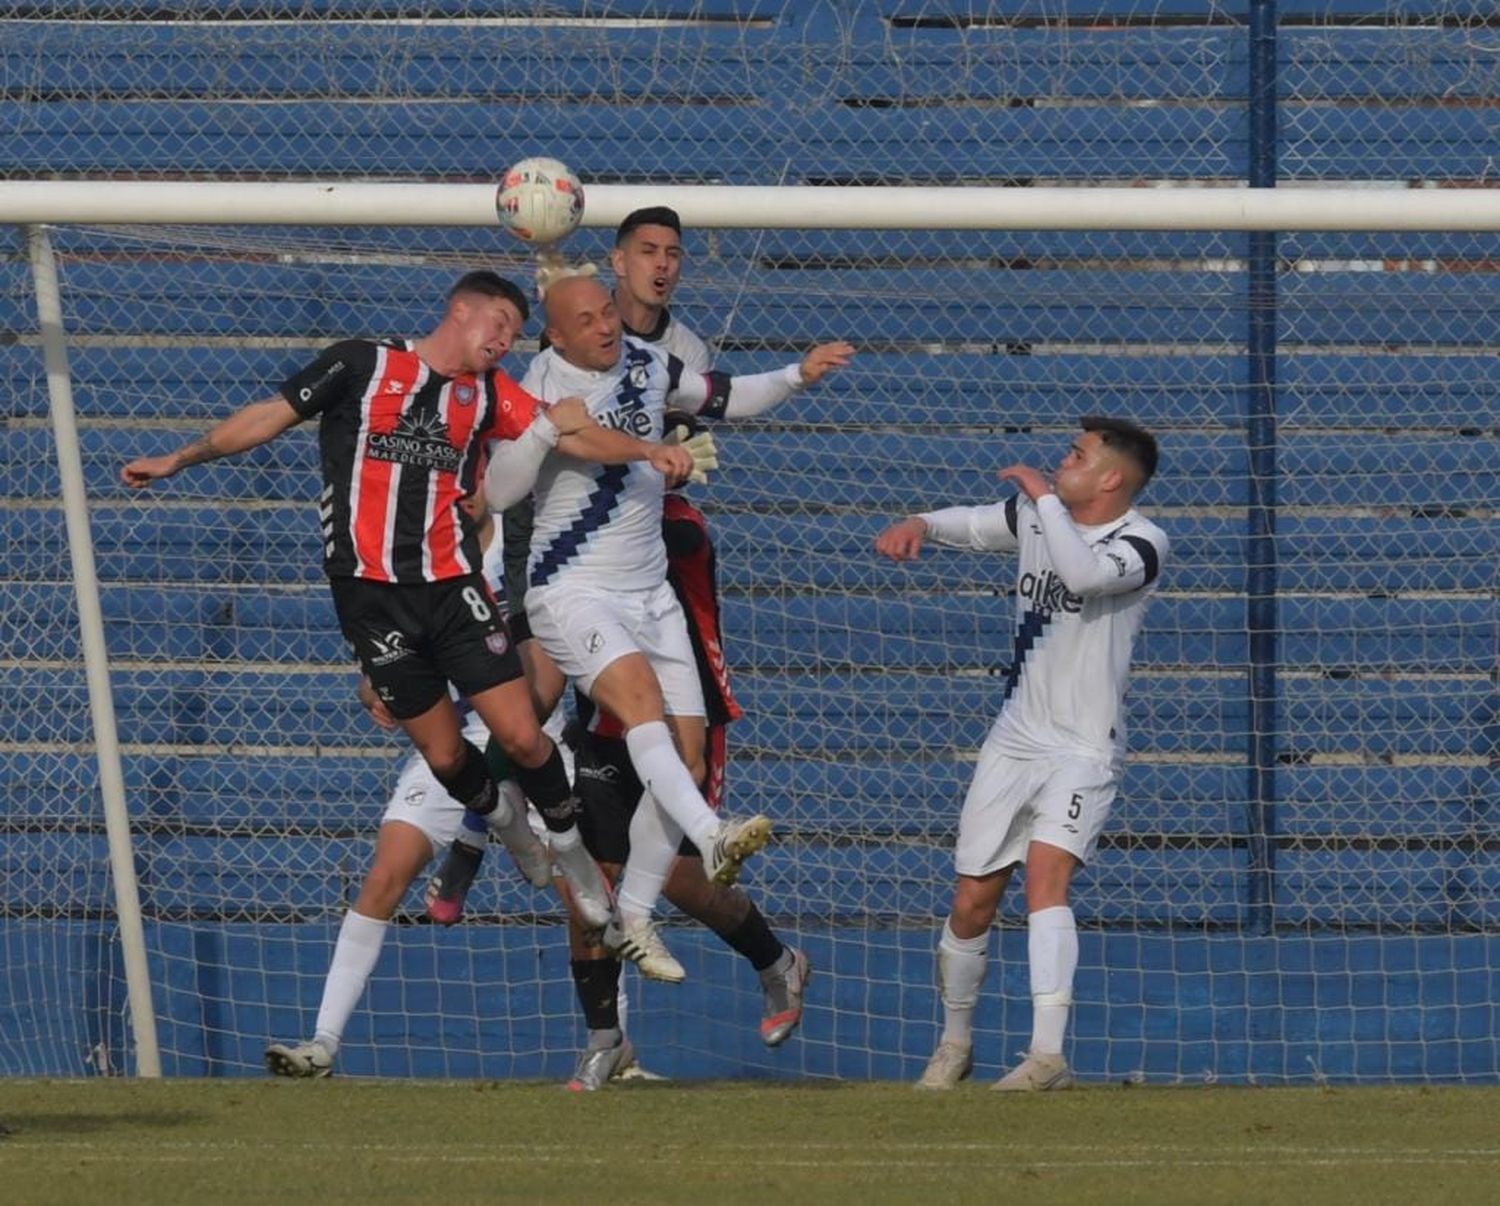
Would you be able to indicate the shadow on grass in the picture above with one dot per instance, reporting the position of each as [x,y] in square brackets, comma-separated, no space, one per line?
[83,1123]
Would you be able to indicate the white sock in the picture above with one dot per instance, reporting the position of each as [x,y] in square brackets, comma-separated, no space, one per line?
[663,774]
[960,968]
[564,840]
[654,838]
[1052,945]
[354,956]
[510,803]
[622,1001]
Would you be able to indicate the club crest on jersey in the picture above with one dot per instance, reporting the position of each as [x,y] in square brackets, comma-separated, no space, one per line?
[630,413]
[496,643]
[1049,593]
[421,440]
[464,394]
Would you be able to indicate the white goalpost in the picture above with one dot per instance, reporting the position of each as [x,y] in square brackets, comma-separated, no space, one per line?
[816,649]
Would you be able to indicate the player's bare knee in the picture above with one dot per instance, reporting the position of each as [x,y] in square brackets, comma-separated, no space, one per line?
[1046,893]
[975,902]
[970,918]
[381,892]
[524,743]
[1049,874]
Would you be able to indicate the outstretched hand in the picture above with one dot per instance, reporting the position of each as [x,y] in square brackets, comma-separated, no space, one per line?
[1032,482]
[902,541]
[823,359]
[144,470]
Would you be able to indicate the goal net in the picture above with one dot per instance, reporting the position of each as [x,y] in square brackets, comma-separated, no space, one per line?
[1299,878]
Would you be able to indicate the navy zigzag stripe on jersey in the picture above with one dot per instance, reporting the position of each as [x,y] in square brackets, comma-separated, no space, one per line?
[1027,635]
[597,508]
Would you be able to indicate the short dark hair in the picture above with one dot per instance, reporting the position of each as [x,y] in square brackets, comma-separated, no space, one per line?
[1124,436]
[491,284]
[652,215]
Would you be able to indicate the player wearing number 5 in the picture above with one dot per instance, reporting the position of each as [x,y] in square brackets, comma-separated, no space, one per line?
[1050,767]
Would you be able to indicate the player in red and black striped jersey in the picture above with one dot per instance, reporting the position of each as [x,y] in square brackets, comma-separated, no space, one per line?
[403,426]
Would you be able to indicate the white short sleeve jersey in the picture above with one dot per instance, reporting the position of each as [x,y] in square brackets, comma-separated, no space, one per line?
[1070,664]
[601,524]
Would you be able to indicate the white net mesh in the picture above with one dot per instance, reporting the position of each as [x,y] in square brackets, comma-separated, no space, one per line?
[255,782]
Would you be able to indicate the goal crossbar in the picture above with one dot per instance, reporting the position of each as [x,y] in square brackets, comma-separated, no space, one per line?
[315,203]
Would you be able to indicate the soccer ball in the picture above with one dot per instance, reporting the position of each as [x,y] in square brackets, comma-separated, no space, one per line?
[539,201]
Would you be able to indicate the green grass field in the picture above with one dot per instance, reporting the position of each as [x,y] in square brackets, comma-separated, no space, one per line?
[121,1141]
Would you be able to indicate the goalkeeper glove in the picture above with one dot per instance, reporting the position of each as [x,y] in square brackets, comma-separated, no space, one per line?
[705,451]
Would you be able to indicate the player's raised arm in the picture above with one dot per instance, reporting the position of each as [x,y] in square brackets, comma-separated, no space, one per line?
[588,441]
[249,427]
[720,396]
[902,541]
[567,426]
[989,528]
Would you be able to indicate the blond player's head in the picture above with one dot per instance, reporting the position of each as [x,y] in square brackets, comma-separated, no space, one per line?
[551,267]
[583,324]
[1110,459]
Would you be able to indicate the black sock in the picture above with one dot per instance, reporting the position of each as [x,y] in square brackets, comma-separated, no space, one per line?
[501,767]
[754,939]
[597,982]
[471,784]
[547,787]
[458,870]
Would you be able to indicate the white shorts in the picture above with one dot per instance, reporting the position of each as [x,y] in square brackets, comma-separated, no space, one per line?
[585,628]
[420,800]
[1062,801]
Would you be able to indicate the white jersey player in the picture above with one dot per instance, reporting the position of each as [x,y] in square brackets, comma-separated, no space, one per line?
[598,600]
[1050,767]
[420,820]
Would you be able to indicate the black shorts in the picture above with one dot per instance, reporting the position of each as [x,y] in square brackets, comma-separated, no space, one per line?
[412,641]
[609,790]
